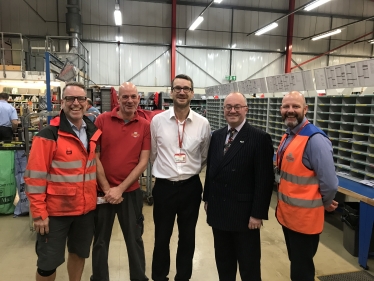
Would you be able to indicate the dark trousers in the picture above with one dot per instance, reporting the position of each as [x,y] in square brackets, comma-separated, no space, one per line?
[181,199]
[6,133]
[132,230]
[301,250]
[237,247]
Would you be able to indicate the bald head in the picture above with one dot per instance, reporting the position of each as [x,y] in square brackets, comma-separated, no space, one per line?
[239,96]
[296,95]
[293,109]
[129,99]
[127,86]
[237,105]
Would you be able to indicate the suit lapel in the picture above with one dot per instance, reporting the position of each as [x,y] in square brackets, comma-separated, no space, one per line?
[240,140]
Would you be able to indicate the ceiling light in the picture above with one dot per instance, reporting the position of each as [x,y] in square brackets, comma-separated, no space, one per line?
[371,41]
[196,23]
[217,1]
[266,28]
[330,33]
[117,15]
[315,4]
[233,46]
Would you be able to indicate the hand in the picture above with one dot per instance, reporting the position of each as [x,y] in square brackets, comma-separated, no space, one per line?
[206,206]
[42,226]
[332,207]
[114,195]
[254,223]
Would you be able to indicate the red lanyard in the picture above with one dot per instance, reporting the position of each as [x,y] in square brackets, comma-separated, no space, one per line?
[180,140]
[283,149]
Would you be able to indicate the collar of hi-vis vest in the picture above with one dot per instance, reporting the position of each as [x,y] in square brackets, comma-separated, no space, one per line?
[293,132]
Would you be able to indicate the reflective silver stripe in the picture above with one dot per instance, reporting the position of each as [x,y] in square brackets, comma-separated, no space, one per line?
[298,180]
[35,189]
[90,177]
[67,165]
[91,163]
[65,178]
[35,174]
[315,203]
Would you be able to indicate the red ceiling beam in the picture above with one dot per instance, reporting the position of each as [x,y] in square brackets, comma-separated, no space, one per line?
[173,38]
[289,37]
[328,52]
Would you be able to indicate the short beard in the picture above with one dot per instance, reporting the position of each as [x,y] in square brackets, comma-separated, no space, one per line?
[294,123]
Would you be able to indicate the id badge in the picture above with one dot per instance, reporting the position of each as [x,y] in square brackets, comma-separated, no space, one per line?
[101,200]
[180,158]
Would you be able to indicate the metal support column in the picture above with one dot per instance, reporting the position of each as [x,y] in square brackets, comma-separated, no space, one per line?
[289,37]
[231,32]
[173,38]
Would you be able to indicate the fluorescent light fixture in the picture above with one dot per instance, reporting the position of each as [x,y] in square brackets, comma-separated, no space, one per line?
[233,46]
[266,28]
[371,41]
[315,4]
[330,33]
[196,23]
[217,1]
[117,15]
[119,38]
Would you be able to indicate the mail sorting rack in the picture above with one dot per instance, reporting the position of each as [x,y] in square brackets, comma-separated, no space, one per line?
[348,121]
[257,112]
[214,113]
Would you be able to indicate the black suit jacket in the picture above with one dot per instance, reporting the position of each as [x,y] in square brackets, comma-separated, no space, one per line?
[239,184]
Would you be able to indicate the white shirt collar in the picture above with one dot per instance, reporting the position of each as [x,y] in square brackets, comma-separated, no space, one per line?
[237,128]
[172,114]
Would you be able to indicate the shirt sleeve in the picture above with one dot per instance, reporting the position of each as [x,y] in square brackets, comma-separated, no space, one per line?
[318,156]
[147,137]
[153,129]
[14,115]
[205,144]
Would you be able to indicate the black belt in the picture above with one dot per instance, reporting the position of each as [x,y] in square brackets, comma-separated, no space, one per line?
[176,183]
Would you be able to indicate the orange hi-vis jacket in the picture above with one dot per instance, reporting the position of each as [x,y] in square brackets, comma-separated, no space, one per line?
[60,175]
[300,207]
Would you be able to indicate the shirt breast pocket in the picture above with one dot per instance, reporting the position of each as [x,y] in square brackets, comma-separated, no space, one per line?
[191,144]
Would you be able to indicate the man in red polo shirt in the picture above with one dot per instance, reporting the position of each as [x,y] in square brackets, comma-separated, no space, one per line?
[122,156]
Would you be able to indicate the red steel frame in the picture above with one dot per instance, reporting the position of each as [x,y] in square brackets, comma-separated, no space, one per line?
[289,37]
[173,38]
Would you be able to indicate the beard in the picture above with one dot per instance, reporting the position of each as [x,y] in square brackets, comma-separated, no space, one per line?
[292,124]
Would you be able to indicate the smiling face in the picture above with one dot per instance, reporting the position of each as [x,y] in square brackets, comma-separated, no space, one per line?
[235,117]
[74,110]
[293,109]
[182,93]
[128,99]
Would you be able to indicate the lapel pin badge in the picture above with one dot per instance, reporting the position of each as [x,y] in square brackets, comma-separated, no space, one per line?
[241,141]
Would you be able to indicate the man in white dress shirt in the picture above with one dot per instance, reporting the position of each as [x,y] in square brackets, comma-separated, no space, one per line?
[180,142]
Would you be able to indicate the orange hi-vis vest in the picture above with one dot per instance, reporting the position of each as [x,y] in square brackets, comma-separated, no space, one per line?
[60,175]
[300,207]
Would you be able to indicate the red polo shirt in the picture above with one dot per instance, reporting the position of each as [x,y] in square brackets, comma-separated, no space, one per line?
[121,145]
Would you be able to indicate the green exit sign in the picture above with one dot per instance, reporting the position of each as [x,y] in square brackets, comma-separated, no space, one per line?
[230,78]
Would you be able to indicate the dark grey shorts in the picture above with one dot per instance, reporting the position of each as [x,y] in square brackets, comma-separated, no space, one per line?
[75,231]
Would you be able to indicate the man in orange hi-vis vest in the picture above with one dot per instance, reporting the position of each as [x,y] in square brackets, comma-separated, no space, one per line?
[307,184]
[61,186]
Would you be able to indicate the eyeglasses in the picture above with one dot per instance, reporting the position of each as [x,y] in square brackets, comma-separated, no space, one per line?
[71,99]
[177,89]
[237,107]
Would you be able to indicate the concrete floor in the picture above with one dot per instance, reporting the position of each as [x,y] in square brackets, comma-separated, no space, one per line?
[18,259]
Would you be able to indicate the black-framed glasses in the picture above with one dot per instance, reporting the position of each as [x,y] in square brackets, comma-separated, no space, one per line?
[177,89]
[236,107]
[71,99]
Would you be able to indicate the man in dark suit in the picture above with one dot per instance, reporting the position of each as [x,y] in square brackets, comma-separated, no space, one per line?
[238,187]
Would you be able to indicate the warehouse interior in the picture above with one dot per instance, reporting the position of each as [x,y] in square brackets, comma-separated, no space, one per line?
[256,47]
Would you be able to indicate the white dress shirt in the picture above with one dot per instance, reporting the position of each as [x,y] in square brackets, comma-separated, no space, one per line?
[165,144]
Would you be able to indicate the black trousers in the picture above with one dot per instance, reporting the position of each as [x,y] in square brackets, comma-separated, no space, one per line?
[237,247]
[6,133]
[301,250]
[181,199]
[132,230]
